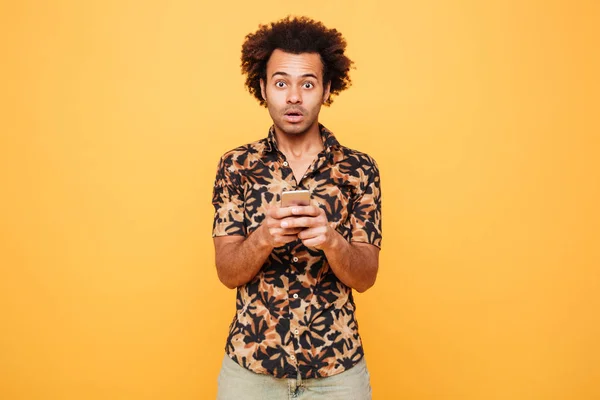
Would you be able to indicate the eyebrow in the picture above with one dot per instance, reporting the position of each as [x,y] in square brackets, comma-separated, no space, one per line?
[309,75]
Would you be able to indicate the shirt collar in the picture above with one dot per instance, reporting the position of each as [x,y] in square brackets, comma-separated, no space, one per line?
[329,141]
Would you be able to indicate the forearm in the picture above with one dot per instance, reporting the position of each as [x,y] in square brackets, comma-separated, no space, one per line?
[239,262]
[352,265]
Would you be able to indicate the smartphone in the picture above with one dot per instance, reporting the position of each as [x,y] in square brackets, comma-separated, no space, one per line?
[295,198]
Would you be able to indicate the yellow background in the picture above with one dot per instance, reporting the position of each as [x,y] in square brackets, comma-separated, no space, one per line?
[483,117]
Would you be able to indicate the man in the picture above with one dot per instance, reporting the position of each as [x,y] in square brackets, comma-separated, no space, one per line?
[295,333]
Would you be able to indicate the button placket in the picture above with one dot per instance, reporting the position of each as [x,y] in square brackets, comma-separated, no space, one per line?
[294,332]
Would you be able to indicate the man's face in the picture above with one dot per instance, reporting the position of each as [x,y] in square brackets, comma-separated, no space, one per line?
[294,91]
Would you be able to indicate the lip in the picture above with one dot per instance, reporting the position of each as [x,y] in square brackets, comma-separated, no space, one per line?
[293,118]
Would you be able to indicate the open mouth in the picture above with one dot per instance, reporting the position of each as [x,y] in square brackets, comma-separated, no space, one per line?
[293,116]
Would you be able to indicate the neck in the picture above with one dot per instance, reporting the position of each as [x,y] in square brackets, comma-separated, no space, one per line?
[308,142]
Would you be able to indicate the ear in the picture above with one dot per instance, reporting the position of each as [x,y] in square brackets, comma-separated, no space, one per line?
[263,92]
[326,92]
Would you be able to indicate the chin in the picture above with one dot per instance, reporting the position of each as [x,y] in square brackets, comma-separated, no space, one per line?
[292,129]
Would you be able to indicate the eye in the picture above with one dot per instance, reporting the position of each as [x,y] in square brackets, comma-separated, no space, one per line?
[308,85]
[280,84]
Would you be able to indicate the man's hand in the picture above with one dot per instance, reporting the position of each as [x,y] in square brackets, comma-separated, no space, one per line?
[275,233]
[312,224]
[355,264]
[239,259]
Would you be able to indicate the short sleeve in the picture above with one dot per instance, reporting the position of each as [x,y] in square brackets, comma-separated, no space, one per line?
[366,210]
[228,200]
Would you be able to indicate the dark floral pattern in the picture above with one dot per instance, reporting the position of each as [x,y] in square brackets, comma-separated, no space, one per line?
[295,315]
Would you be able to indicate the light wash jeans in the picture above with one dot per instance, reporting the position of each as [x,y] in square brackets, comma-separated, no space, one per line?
[238,383]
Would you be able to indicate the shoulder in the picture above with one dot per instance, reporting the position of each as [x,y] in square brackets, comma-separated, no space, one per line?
[243,155]
[359,160]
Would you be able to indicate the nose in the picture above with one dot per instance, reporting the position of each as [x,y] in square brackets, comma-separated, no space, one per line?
[294,96]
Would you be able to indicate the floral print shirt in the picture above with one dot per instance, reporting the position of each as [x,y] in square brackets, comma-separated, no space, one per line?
[295,316]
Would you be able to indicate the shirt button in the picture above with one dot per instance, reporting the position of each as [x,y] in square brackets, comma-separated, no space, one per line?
[296,331]
[285,164]
[292,358]
[295,295]
[295,259]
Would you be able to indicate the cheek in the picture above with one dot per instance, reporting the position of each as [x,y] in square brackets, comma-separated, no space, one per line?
[275,95]
[316,104]
[314,112]
[272,106]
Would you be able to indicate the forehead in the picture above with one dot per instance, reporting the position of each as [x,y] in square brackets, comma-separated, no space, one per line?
[294,64]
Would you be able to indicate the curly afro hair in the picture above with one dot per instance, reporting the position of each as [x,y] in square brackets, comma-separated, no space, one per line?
[296,35]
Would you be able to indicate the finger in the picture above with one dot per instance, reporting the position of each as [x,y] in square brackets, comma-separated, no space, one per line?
[310,233]
[277,212]
[314,242]
[311,211]
[299,222]
[285,239]
[285,232]
[304,222]
[275,222]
